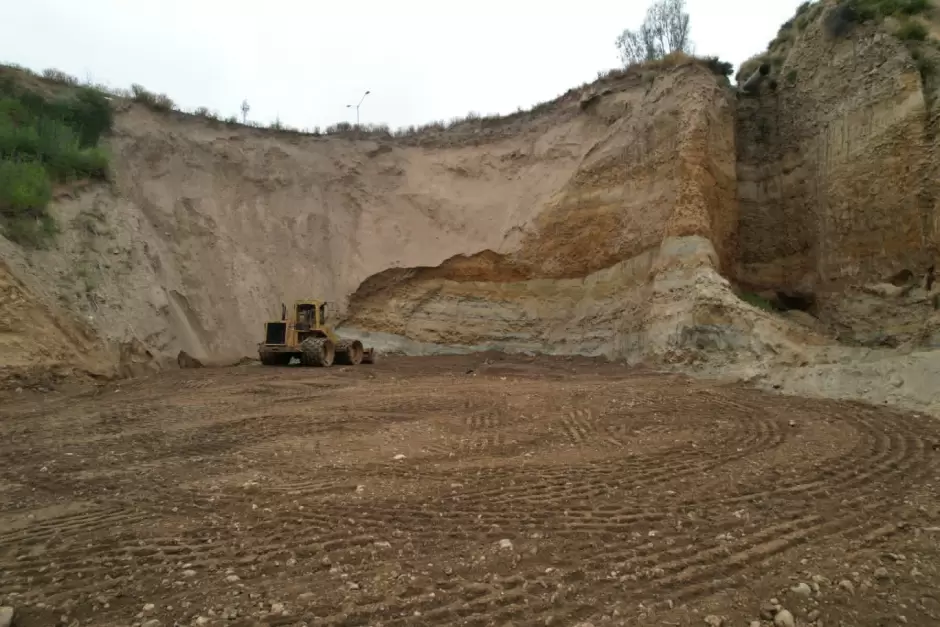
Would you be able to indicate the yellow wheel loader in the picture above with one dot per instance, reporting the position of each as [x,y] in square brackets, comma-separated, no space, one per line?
[305,335]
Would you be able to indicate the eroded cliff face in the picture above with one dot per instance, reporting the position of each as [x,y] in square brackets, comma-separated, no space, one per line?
[648,210]
[205,229]
[838,187]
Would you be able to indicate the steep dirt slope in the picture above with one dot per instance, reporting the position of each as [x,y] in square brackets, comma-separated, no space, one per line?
[838,182]
[205,229]
[624,260]
[39,346]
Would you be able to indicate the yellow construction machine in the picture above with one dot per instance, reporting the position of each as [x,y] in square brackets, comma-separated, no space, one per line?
[305,335]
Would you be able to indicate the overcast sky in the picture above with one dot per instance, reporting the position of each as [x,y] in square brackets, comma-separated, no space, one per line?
[305,60]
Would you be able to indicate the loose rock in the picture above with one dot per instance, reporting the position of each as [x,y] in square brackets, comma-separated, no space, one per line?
[714,621]
[768,611]
[233,578]
[802,589]
[881,573]
[505,544]
[847,585]
[149,607]
[153,622]
[6,616]
[784,619]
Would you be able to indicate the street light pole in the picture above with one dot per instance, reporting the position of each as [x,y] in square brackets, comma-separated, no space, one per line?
[359,105]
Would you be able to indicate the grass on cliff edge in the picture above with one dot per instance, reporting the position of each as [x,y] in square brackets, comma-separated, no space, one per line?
[474,124]
[45,141]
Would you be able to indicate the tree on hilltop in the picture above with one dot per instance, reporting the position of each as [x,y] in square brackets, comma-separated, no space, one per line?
[664,31]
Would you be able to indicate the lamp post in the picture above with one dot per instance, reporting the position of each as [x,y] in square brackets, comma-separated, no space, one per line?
[358,105]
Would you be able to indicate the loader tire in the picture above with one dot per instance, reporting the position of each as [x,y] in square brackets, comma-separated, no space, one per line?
[349,352]
[317,351]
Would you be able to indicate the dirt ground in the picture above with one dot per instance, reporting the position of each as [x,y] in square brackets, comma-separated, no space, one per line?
[478,490]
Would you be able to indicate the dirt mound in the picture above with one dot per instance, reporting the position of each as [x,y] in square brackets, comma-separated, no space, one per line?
[529,491]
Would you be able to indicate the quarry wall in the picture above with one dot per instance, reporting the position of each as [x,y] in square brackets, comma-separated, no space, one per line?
[624,219]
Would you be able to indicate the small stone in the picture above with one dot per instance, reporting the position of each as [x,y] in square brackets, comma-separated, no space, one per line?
[714,621]
[755,623]
[201,620]
[352,585]
[189,573]
[360,489]
[233,579]
[399,457]
[812,616]
[149,607]
[802,589]
[768,611]
[306,597]
[793,423]
[153,622]
[505,544]
[6,616]
[381,544]
[277,608]
[881,573]
[784,619]
[847,585]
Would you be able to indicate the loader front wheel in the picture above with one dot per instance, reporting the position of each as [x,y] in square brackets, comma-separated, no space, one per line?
[317,351]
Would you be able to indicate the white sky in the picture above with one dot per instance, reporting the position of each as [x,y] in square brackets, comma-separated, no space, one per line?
[305,60]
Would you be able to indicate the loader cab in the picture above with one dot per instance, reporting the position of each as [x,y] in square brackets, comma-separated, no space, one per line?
[309,315]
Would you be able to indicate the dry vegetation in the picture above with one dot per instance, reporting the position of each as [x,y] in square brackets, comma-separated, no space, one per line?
[906,19]
[472,122]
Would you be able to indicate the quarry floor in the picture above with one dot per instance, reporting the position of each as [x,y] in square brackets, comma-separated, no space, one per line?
[471,490]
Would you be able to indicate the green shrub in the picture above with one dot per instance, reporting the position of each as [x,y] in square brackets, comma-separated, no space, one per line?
[24,187]
[912,30]
[43,141]
[847,13]
[157,102]
[757,300]
[24,193]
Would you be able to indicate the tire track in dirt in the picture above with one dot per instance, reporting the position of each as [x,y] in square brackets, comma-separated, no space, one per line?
[613,490]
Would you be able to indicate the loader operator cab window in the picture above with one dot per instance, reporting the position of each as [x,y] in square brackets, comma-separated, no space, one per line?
[323,313]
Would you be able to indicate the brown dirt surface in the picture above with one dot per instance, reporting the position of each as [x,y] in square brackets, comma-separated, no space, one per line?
[531,491]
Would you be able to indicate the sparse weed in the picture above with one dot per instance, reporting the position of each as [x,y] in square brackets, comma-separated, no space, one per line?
[58,76]
[847,13]
[157,102]
[757,301]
